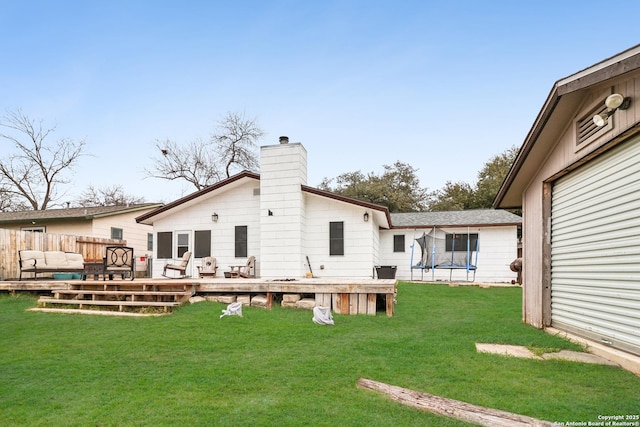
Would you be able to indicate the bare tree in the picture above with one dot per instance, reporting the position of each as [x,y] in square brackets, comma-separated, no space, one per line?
[35,169]
[232,146]
[195,163]
[236,140]
[107,196]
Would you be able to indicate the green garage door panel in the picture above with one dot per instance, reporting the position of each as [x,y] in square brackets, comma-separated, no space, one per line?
[595,249]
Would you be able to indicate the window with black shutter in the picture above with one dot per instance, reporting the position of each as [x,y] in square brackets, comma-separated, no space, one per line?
[202,243]
[165,244]
[336,238]
[398,243]
[241,241]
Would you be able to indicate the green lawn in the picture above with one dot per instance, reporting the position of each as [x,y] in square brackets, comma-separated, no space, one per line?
[279,368]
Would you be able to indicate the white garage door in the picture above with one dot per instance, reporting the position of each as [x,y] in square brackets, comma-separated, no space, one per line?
[595,249]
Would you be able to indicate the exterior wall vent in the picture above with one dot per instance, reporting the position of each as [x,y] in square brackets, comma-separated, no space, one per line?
[586,129]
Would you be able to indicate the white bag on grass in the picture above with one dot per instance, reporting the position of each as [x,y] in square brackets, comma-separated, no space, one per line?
[233,309]
[322,316]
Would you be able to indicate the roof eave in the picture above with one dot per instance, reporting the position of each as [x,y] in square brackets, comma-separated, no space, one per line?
[147,217]
[609,68]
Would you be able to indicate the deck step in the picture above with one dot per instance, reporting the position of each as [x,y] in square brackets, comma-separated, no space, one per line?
[181,296]
[49,300]
[95,312]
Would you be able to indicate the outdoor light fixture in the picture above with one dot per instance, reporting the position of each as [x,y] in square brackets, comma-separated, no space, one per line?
[366,216]
[614,103]
[214,217]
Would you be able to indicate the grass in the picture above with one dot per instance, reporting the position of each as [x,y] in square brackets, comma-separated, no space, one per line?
[279,368]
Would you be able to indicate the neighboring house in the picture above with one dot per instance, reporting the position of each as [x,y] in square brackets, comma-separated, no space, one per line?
[577,181]
[110,222]
[493,232]
[288,225]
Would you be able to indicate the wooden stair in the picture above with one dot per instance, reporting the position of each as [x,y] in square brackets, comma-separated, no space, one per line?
[115,298]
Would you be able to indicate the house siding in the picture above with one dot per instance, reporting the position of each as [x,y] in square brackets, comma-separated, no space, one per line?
[237,207]
[498,247]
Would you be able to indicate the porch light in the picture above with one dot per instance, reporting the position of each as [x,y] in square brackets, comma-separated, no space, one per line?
[214,217]
[365,216]
[614,103]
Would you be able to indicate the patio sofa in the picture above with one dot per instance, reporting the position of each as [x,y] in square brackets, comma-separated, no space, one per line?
[35,262]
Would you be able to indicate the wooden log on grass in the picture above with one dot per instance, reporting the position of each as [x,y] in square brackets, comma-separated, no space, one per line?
[452,408]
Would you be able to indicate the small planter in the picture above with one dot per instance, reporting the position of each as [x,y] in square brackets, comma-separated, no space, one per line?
[386,271]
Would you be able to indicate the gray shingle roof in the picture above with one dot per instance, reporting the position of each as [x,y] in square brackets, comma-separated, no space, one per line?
[72,213]
[455,218]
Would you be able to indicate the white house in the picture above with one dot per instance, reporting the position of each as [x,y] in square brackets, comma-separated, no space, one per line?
[293,229]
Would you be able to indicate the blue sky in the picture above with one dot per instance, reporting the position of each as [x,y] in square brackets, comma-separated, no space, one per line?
[442,86]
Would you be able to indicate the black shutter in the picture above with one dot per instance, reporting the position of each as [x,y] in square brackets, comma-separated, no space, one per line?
[202,243]
[165,244]
[241,241]
[336,238]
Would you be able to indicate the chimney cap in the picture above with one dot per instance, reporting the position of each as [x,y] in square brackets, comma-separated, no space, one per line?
[284,140]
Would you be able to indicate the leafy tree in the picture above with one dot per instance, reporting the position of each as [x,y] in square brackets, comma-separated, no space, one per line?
[454,196]
[203,162]
[107,196]
[461,196]
[491,176]
[398,188]
[32,171]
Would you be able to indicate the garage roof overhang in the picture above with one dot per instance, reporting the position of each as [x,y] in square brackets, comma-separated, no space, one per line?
[558,109]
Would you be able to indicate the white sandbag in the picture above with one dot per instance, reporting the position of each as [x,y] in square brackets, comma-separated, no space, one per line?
[322,316]
[233,309]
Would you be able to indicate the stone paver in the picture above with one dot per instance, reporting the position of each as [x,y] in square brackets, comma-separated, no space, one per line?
[521,351]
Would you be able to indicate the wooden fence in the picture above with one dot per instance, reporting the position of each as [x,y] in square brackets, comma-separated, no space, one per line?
[12,241]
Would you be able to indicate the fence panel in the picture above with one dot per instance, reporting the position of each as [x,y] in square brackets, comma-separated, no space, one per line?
[12,241]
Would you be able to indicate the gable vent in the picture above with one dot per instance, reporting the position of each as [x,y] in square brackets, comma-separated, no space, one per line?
[587,130]
[256,191]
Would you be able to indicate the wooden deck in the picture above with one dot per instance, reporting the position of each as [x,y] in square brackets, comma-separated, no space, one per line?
[344,296]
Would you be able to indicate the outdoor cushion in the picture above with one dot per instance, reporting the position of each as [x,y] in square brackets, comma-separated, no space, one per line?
[74,260]
[55,259]
[31,258]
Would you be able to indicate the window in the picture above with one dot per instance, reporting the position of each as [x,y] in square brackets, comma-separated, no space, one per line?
[458,242]
[398,243]
[116,233]
[241,241]
[183,244]
[149,241]
[336,238]
[165,244]
[202,243]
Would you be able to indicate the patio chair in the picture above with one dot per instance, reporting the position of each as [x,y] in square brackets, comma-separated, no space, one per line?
[247,271]
[209,267]
[118,260]
[180,266]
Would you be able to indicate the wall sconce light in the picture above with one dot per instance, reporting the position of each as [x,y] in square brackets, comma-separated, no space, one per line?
[214,217]
[614,103]
[269,212]
[366,217]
